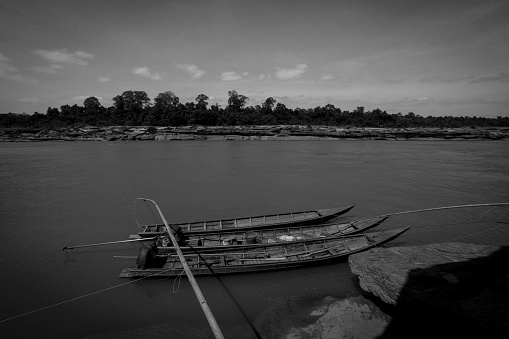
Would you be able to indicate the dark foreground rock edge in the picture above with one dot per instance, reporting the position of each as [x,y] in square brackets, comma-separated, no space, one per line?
[123,133]
[439,290]
[443,290]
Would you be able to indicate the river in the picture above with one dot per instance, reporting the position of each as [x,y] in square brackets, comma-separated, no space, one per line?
[56,194]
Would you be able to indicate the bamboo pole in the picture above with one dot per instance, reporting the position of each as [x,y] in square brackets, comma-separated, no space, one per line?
[106,243]
[203,303]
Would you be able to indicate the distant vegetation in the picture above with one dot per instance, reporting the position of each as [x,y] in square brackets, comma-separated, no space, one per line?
[134,108]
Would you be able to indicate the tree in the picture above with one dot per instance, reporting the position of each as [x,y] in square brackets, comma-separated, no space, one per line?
[91,103]
[93,111]
[134,101]
[129,107]
[201,101]
[52,113]
[236,101]
[269,104]
[165,101]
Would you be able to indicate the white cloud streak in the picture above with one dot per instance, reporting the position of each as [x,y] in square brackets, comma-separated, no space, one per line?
[192,69]
[11,73]
[64,56]
[51,69]
[33,100]
[145,72]
[230,76]
[290,73]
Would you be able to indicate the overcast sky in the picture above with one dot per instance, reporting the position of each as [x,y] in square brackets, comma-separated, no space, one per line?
[428,57]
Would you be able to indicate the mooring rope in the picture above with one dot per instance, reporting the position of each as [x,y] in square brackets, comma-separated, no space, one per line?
[476,233]
[441,208]
[77,298]
[177,278]
[151,212]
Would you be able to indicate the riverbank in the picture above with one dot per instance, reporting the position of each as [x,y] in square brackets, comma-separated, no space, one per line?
[123,133]
[436,290]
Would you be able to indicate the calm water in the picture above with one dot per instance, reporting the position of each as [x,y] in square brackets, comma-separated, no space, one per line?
[58,194]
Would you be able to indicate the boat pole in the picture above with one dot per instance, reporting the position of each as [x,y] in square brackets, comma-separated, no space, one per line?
[106,243]
[203,303]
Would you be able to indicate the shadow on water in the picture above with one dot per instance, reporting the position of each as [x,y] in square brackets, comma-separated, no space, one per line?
[467,299]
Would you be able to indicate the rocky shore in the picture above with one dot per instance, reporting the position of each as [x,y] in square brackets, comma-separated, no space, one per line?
[443,290]
[123,133]
[461,290]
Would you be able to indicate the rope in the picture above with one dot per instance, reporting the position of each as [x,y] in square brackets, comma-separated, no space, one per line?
[468,235]
[441,208]
[491,209]
[148,206]
[77,298]
[155,218]
[178,278]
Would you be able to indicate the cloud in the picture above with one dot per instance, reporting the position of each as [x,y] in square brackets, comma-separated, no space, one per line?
[3,58]
[192,69]
[145,72]
[103,79]
[51,69]
[436,79]
[9,72]
[64,56]
[230,76]
[326,77]
[34,100]
[82,54]
[500,77]
[82,98]
[290,73]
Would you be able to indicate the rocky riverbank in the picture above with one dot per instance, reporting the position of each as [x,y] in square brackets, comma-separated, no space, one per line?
[122,133]
[444,290]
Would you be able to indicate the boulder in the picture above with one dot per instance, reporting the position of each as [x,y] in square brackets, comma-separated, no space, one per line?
[325,318]
[465,283]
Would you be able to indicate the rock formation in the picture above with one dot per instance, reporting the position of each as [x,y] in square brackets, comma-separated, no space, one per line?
[463,287]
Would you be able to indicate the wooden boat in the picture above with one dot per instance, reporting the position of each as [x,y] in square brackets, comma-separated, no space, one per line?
[220,240]
[249,223]
[268,257]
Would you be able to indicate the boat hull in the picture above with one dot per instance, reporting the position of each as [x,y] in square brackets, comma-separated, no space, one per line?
[272,257]
[259,238]
[248,223]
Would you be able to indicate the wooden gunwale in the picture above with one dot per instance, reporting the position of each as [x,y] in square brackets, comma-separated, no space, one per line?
[213,241]
[271,220]
[244,264]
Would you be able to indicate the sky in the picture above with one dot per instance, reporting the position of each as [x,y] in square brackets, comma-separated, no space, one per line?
[439,58]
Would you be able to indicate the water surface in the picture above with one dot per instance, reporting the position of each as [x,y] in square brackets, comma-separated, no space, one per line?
[58,194]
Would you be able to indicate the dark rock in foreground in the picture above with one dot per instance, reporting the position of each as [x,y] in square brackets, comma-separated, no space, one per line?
[325,318]
[461,287]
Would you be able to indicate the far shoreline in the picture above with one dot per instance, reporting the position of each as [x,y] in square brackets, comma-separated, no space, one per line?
[279,132]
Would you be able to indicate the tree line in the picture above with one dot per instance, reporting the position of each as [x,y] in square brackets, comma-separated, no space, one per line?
[134,108]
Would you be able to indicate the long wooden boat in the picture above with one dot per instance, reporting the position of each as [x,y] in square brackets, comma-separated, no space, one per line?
[269,257]
[249,223]
[219,240]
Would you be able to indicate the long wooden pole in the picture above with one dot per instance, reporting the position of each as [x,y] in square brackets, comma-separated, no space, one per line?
[203,303]
[106,243]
